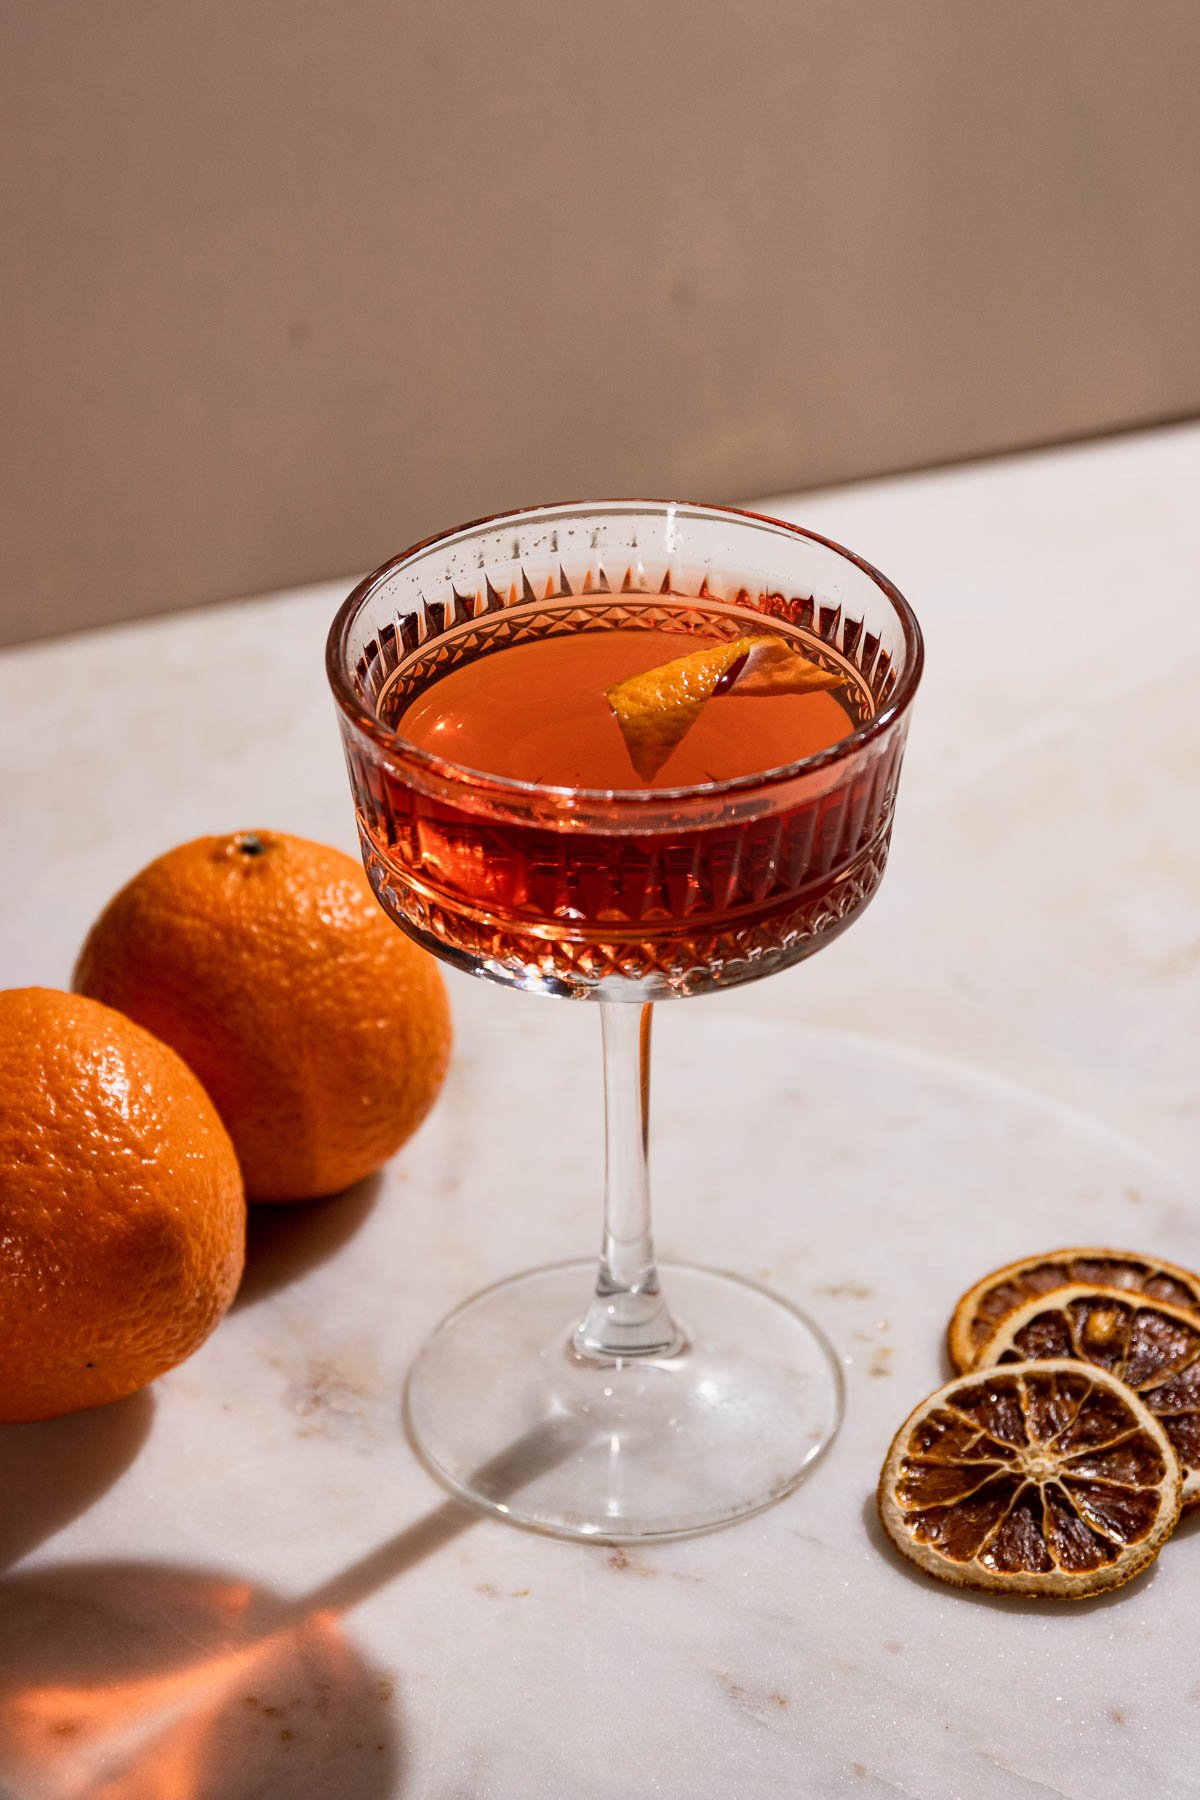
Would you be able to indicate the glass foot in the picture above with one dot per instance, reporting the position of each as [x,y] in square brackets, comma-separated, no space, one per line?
[508,1414]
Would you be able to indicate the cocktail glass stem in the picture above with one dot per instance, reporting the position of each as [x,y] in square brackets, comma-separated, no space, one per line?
[628,1316]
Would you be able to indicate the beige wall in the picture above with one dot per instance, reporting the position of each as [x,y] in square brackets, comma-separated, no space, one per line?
[290,284]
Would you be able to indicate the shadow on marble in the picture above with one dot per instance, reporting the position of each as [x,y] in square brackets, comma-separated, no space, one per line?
[1008,1603]
[284,1242]
[533,1454]
[127,1681]
[140,1681]
[53,1471]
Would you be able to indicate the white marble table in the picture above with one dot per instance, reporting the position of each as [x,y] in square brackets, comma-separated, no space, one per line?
[242,1584]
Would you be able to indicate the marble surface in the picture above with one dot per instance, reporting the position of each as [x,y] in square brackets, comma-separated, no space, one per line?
[241,1584]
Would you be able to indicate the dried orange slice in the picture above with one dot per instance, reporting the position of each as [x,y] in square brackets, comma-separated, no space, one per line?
[657,708]
[983,1306]
[1050,1479]
[1150,1346]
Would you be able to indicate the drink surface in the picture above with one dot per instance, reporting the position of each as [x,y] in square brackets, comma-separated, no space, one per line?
[536,711]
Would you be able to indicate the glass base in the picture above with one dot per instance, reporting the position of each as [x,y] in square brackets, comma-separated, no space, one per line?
[505,1411]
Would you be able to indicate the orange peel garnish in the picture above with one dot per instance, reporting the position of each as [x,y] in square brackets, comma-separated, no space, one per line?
[657,708]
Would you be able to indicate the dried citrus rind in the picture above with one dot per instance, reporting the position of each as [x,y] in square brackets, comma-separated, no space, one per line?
[1049,1479]
[657,708]
[983,1306]
[1150,1346]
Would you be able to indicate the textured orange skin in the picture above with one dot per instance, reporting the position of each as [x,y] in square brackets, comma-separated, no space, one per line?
[321,1032]
[122,1216]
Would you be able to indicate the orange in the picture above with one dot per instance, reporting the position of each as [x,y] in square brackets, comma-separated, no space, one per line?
[122,1218]
[1051,1479]
[321,1032]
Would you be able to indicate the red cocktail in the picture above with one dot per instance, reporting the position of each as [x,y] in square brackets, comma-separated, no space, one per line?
[506,825]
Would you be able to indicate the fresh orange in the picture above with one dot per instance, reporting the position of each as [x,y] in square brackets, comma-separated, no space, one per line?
[122,1218]
[1051,1479]
[658,708]
[983,1306]
[321,1032]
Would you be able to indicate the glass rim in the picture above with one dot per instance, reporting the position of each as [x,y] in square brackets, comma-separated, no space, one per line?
[338,668]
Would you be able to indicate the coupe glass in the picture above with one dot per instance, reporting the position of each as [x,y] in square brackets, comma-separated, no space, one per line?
[623,1402]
